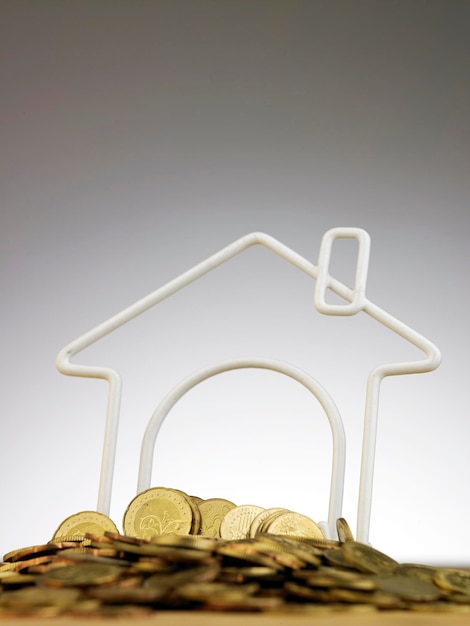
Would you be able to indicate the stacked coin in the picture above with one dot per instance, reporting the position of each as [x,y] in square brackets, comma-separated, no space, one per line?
[161,510]
[183,552]
[119,575]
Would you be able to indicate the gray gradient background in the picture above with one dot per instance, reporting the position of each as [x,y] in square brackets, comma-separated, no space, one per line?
[138,138]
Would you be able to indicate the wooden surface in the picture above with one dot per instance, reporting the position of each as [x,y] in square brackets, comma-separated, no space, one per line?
[185,618]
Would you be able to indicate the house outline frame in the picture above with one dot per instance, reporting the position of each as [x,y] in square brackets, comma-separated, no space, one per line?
[356,301]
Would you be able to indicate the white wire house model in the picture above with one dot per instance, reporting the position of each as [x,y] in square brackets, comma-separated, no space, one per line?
[356,301]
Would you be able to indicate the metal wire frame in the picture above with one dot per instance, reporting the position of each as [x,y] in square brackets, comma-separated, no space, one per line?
[356,301]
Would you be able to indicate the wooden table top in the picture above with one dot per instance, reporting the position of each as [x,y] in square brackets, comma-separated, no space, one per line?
[202,618]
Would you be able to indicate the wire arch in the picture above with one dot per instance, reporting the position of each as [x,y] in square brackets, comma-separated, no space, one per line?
[282,367]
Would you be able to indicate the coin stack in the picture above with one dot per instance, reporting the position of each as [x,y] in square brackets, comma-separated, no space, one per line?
[160,510]
[180,552]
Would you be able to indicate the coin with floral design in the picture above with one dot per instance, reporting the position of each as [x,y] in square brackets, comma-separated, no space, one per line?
[158,511]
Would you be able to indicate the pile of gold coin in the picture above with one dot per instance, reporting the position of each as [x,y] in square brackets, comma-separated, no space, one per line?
[160,510]
[180,552]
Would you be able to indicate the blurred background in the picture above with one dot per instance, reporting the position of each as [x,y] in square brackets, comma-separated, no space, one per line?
[140,137]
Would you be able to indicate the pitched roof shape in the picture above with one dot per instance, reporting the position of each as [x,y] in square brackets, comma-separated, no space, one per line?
[356,301]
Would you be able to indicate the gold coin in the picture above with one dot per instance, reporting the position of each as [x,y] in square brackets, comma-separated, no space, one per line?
[425,573]
[84,522]
[207,572]
[320,543]
[39,596]
[196,522]
[213,511]
[265,524]
[90,539]
[261,518]
[438,607]
[166,552]
[381,599]
[367,559]
[247,553]
[334,577]
[116,594]
[295,524]
[210,590]
[196,542]
[335,558]
[294,589]
[144,549]
[158,511]
[282,549]
[343,530]
[240,574]
[107,555]
[409,589]
[452,579]
[67,539]
[135,541]
[456,597]
[150,565]
[26,553]
[82,575]
[236,523]
[14,579]
[7,567]
[245,603]
[25,564]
